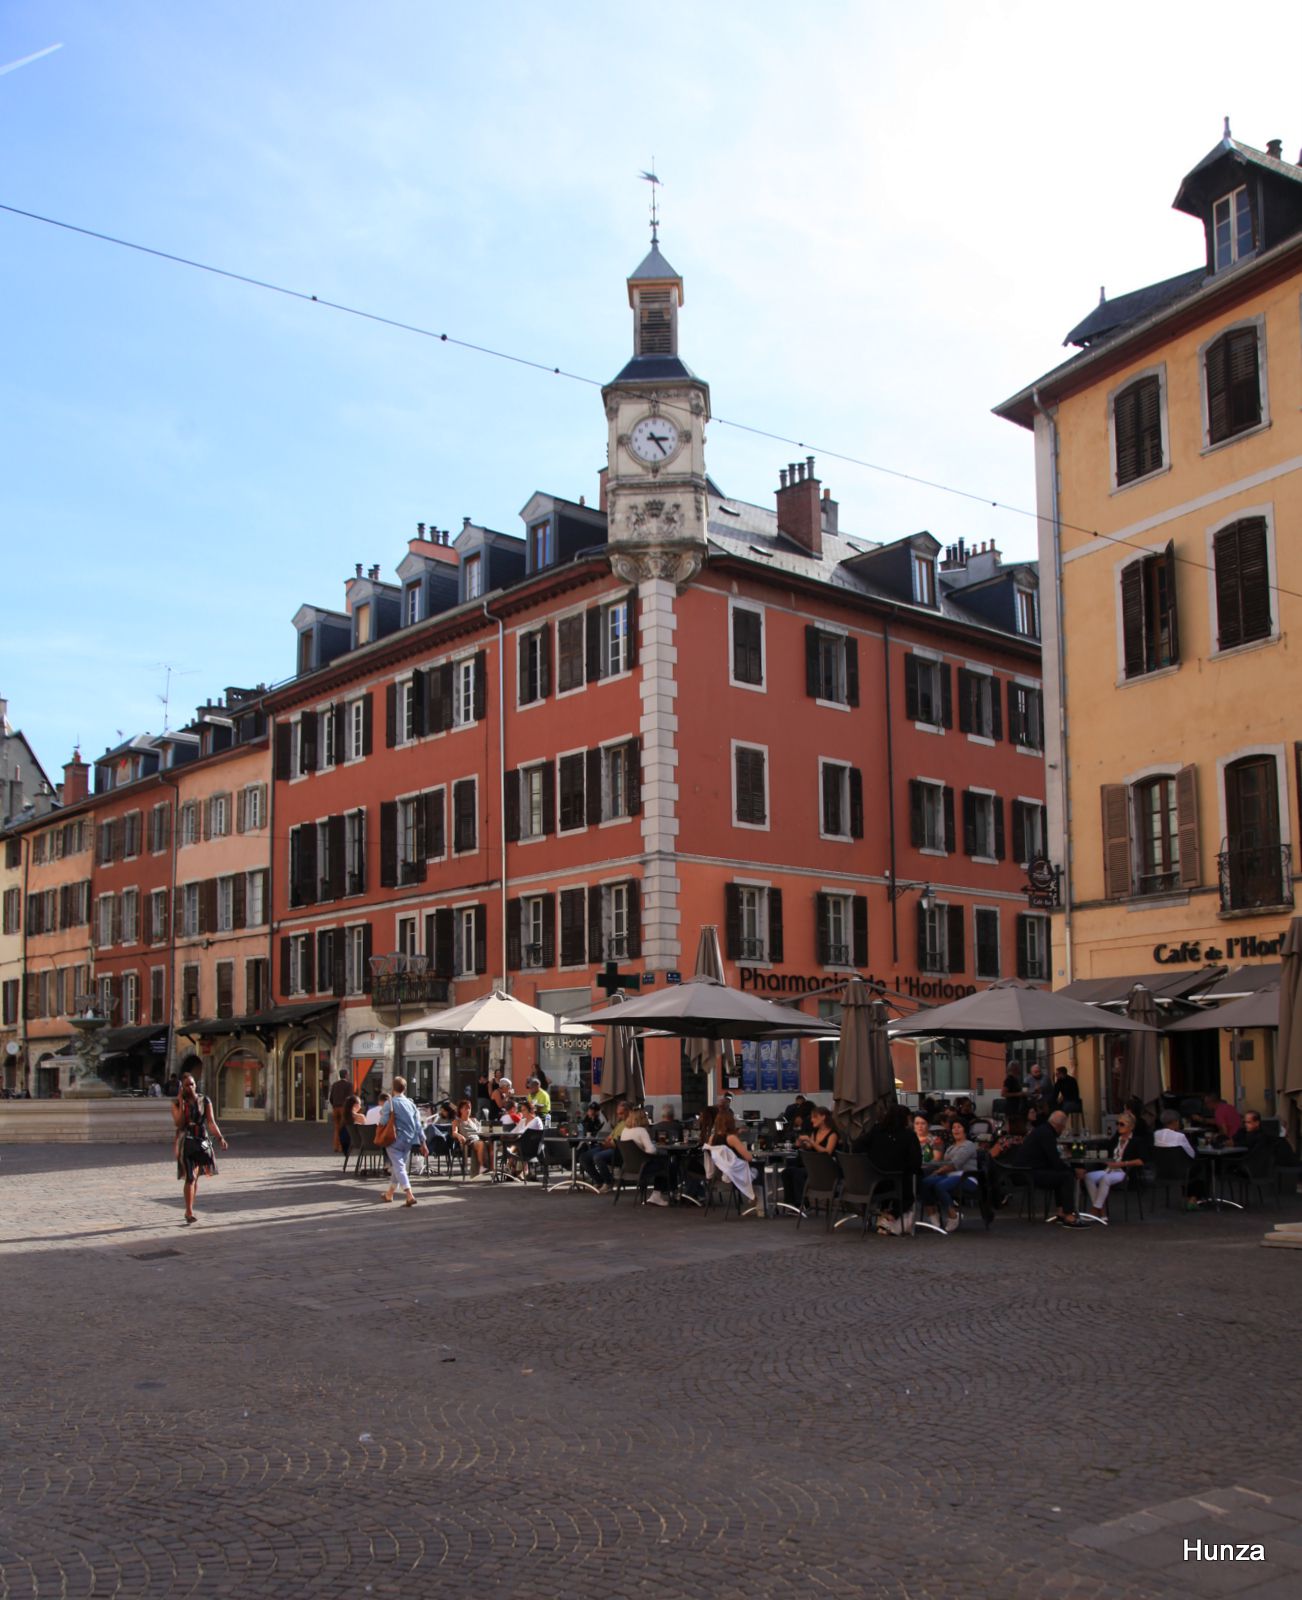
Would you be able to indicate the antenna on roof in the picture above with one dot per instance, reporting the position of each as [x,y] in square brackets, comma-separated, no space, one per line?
[650,177]
[1227,127]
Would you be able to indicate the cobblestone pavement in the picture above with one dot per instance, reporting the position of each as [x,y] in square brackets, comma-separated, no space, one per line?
[503,1392]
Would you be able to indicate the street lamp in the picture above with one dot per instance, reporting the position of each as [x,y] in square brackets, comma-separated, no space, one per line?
[895,889]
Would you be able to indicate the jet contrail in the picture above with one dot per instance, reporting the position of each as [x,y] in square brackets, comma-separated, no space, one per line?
[27,60]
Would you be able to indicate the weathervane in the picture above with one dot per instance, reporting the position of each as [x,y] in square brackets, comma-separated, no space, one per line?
[650,177]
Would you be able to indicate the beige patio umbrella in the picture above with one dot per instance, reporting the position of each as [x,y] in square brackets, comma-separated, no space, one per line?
[623,1079]
[705,1055]
[1288,1050]
[1141,1071]
[864,1074]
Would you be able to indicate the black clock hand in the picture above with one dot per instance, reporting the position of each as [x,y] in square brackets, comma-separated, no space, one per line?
[659,438]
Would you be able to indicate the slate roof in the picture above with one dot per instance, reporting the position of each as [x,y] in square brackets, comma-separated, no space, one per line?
[1186,198]
[653,266]
[749,532]
[1111,316]
[647,369]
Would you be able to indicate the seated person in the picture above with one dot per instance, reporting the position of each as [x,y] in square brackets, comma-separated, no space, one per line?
[965,1110]
[656,1170]
[1015,1096]
[592,1122]
[822,1135]
[1009,1141]
[727,1152]
[1220,1120]
[931,1144]
[511,1112]
[1132,1152]
[1040,1155]
[892,1146]
[539,1097]
[1252,1136]
[503,1091]
[527,1121]
[466,1137]
[798,1116]
[957,1171]
[667,1128]
[597,1160]
[1170,1137]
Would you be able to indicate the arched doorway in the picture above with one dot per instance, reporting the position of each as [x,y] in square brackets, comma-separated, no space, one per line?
[242,1085]
[305,1081]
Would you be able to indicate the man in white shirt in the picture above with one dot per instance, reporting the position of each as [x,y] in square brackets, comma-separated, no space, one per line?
[1169,1137]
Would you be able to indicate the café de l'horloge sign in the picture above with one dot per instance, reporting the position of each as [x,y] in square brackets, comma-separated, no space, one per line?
[1242,947]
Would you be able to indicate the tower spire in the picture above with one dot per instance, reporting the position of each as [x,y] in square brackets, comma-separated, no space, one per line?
[650,177]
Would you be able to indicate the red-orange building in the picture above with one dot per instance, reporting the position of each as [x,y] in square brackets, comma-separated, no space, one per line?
[530,758]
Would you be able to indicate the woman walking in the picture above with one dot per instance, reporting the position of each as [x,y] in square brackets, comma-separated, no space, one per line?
[408,1135]
[195,1123]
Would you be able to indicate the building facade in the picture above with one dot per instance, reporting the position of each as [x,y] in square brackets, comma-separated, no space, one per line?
[1167,460]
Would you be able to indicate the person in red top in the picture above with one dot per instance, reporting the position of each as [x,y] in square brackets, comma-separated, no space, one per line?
[1219,1117]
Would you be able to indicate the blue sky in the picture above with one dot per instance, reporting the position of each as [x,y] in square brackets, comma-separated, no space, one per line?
[887,217]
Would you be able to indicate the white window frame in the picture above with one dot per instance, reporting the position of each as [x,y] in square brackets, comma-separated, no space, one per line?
[188,827]
[987,911]
[979,669]
[1026,610]
[937,664]
[824,762]
[130,999]
[1263,386]
[406,711]
[938,918]
[612,757]
[531,932]
[296,770]
[986,857]
[534,776]
[746,744]
[1237,201]
[463,941]
[614,921]
[830,636]
[354,834]
[326,754]
[220,815]
[131,916]
[104,922]
[1266,511]
[1042,830]
[1040,922]
[542,544]
[533,640]
[463,692]
[1029,749]
[841,905]
[406,936]
[922,572]
[614,640]
[1159,372]
[255,909]
[356,713]
[934,799]
[255,812]
[473,567]
[225,904]
[757,609]
[753,913]
[189,911]
[297,962]
[411,604]
[157,915]
[354,958]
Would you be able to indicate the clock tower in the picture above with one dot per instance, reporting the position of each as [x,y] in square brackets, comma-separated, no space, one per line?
[657,409]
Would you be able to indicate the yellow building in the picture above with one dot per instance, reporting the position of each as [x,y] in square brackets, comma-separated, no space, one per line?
[1169,481]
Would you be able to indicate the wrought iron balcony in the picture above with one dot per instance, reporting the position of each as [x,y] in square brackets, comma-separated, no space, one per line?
[838,955]
[1255,876]
[753,950]
[402,988]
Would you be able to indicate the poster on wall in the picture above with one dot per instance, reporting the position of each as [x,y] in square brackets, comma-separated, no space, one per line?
[790,1065]
[768,1072]
[750,1067]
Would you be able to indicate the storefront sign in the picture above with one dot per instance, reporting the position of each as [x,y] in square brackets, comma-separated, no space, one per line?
[1242,947]
[924,988]
[370,1046]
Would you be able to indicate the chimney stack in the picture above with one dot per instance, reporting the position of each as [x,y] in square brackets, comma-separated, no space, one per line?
[800,515]
[357,568]
[374,573]
[76,780]
[420,530]
[1275,149]
[831,513]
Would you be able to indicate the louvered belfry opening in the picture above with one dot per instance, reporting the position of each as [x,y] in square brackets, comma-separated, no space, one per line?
[656,333]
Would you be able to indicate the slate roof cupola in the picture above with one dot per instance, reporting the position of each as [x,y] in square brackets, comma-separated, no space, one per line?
[1246,199]
[655,292]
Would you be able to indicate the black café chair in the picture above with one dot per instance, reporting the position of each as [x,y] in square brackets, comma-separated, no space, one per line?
[1010,1181]
[525,1154]
[1138,1180]
[1255,1171]
[822,1184]
[634,1159]
[554,1153]
[864,1187]
[1171,1170]
[370,1156]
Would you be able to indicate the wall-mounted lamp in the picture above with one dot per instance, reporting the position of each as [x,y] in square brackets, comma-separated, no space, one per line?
[895,888]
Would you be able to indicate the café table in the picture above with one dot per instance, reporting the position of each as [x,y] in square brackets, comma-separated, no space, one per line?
[1216,1156]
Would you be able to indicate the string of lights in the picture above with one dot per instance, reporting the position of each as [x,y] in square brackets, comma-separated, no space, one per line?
[577,377]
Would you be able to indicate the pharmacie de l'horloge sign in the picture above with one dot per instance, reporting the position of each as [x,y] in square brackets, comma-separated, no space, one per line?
[1240,947]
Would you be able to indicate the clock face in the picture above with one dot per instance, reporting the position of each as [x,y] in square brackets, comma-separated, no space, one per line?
[653,440]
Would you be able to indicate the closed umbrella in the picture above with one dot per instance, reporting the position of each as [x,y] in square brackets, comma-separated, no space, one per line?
[864,1075]
[1141,1070]
[1288,1051]
[707,1055]
[623,1075]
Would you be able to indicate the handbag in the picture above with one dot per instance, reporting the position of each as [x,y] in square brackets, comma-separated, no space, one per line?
[386,1132]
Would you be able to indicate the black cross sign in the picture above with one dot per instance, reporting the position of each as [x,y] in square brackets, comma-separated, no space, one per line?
[612,979]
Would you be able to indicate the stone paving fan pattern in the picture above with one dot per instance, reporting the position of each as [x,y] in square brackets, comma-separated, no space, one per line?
[506,1392]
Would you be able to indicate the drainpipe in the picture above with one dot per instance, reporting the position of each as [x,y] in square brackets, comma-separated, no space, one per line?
[890,788]
[508,1047]
[169,1061]
[22,986]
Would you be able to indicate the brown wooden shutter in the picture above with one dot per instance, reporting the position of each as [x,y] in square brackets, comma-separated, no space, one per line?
[569,643]
[446,695]
[946,694]
[390,715]
[948,800]
[573,942]
[544,660]
[1167,559]
[1019,832]
[922,950]
[284,751]
[436,844]
[239,901]
[524,690]
[630,640]
[957,951]
[388,844]
[284,967]
[511,805]
[592,643]
[822,929]
[859,923]
[513,960]
[368,724]
[633,776]
[208,906]
[1023,945]
[966,682]
[917,815]
[634,902]
[307,743]
[335,844]
[309,974]
[1217,372]
[777,948]
[812,639]
[852,672]
[1186,812]
[481,939]
[969,822]
[571,769]
[419,703]
[911,687]
[240,799]
[549,930]
[856,803]
[1132,618]
[1149,423]
[592,777]
[481,685]
[1244,380]
[444,929]
[339,976]
[1116,841]
[1254,578]
[1125,419]
[596,933]
[732,921]
[207,818]
[325,954]
[997,806]
[1229,610]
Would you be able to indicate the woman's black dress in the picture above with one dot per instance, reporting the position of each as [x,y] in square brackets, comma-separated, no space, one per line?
[194,1157]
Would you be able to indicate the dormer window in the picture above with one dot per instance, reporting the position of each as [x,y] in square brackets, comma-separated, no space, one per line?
[924,578]
[542,544]
[412,604]
[1231,230]
[1026,604]
[473,566]
[362,620]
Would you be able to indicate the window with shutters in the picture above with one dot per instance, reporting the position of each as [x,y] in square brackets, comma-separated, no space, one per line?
[130,916]
[355,851]
[221,815]
[615,922]
[158,994]
[985,941]
[407,937]
[840,801]
[464,942]
[1138,428]
[324,888]
[534,681]
[190,992]
[614,639]
[189,823]
[1241,561]
[1231,229]
[300,963]
[572,810]
[13,910]
[1026,716]
[750,785]
[1158,835]
[574,925]
[933,952]
[746,659]
[255,807]
[225,989]
[831,667]
[465,815]
[255,898]
[189,928]
[1029,839]
[983,825]
[621,780]
[753,922]
[531,931]
[355,721]
[834,921]
[158,831]
[104,921]
[570,651]
[9,1011]
[533,800]
[1033,947]
[411,839]
[1232,374]
[354,959]
[407,730]
[131,835]
[225,904]
[1254,861]
[978,704]
[931,816]
[1150,635]
[923,568]
[927,691]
